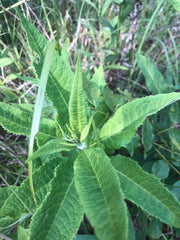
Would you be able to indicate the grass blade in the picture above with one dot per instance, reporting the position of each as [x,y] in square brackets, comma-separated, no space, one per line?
[38,107]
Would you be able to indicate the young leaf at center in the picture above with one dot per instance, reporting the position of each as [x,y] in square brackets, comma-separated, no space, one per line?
[77,102]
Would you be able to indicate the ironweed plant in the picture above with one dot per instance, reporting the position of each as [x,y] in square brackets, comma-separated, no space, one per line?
[73,168]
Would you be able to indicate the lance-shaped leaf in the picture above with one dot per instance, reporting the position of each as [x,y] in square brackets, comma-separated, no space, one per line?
[60,76]
[100,193]
[19,122]
[14,120]
[120,129]
[59,87]
[21,202]
[77,102]
[37,41]
[53,146]
[60,214]
[153,77]
[146,191]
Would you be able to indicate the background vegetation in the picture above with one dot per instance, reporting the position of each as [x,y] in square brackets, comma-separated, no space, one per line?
[108,34]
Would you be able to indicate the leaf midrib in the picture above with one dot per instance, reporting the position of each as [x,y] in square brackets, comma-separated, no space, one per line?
[145,190]
[52,79]
[62,202]
[101,191]
[24,127]
[138,119]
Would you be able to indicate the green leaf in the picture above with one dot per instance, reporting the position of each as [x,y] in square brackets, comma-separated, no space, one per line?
[9,94]
[19,122]
[117,67]
[176,4]
[101,113]
[14,120]
[85,237]
[37,41]
[105,6]
[23,234]
[48,130]
[92,91]
[154,230]
[147,136]
[161,169]
[77,102]
[60,76]
[5,61]
[100,193]
[29,79]
[60,214]
[64,53]
[5,192]
[85,131]
[59,87]
[154,79]
[131,231]
[98,77]
[111,99]
[174,112]
[5,222]
[21,202]
[120,128]
[175,137]
[146,191]
[131,146]
[176,190]
[52,146]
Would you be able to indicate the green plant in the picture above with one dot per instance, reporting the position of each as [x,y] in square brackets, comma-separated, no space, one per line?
[74,169]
